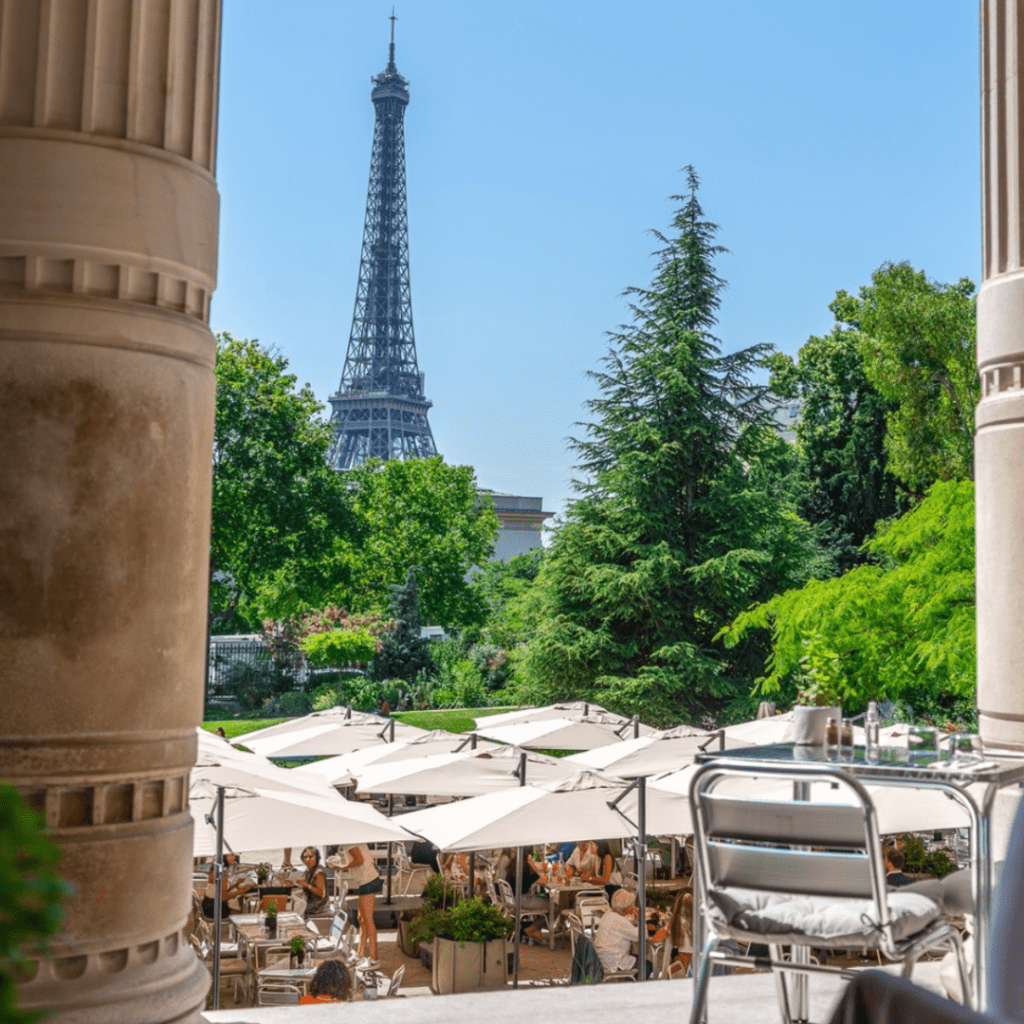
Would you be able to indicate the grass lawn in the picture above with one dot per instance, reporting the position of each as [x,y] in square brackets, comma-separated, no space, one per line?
[239,726]
[457,720]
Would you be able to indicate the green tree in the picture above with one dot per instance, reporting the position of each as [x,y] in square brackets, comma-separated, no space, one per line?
[679,524]
[282,529]
[840,440]
[419,512]
[502,587]
[918,347]
[902,627]
[404,652]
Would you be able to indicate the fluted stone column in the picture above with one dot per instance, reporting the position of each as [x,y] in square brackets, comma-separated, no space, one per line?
[999,444]
[108,251]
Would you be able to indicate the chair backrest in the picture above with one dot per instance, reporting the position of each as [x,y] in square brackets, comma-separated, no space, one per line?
[338,924]
[278,901]
[808,845]
[505,895]
[278,994]
[586,964]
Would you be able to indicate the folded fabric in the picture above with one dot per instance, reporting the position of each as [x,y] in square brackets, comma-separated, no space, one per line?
[838,924]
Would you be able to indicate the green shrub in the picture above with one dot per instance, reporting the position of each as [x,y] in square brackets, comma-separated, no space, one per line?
[437,892]
[339,648]
[289,705]
[31,894]
[473,920]
[920,859]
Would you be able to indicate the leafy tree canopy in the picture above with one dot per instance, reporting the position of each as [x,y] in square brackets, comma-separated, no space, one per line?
[840,440]
[424,513]
[900,628]
[680,522]
[278,508]
[404,652]
[919,354]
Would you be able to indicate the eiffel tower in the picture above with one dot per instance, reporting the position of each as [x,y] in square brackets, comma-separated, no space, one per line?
[379,410]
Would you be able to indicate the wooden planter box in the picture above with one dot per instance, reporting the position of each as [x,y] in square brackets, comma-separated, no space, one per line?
[468,966]
[406,943]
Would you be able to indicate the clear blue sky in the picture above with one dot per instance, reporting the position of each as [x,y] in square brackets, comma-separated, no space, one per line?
[542,141]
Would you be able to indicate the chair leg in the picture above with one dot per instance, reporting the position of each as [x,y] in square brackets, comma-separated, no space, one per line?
[961,963]
[701,995]
[909,962]
[781,989]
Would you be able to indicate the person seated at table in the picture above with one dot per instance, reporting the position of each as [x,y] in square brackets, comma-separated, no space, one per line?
[616,933]
[679,933]
[528,902]
[331,984]
[605,872]
[583,859]
[456,867]
[232,884]
[314,884]
[895,862]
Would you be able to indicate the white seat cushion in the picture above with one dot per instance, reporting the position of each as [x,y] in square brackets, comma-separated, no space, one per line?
[818,920]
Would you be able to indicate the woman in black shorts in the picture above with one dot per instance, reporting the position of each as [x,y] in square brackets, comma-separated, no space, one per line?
[362,873]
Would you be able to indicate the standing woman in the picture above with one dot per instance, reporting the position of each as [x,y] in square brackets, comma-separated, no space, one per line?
[363,873]
[315,883]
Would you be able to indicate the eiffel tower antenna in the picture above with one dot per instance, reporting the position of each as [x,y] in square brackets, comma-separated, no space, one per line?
[379,410]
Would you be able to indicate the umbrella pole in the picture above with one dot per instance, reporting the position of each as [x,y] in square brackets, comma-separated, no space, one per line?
[218,874]
[641,874]
[472,874]
[636,727]
[391,849]
[520,854]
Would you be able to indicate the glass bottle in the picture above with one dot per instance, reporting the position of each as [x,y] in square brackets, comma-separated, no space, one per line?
[832,739]
[871,731]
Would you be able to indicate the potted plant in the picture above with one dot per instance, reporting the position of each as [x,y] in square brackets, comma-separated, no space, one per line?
[261,874]
[436,895]
[816,702]
[271,920]
[298,952]
[471,948]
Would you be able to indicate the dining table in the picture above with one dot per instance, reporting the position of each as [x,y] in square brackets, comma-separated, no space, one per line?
[252,934]
[972,780]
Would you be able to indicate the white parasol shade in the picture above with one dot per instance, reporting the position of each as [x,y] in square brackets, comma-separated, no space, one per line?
[332,716]
[649,755]
[556,733]
[222,764]
[575,809]
[260,819]
[899,808]
[470,773]
[574,710]
[328,739]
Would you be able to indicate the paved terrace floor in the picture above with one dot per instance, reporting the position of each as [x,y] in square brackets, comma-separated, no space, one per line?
[734,999]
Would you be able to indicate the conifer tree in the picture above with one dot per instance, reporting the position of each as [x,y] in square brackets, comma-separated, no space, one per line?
[677,526]
[404,651]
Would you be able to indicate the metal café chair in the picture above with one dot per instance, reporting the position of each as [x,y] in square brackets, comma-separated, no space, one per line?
[278,994]
[805,872]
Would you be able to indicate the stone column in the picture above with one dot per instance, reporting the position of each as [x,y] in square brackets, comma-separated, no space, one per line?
[108,253]
[999,444]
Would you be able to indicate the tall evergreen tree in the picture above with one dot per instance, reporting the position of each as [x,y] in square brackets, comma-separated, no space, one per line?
[675,530]
[404,651]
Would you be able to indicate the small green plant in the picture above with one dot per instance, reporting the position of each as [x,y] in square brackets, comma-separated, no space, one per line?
[297,945]
[920,859]
[437,893]
[272,909]
[473,920]
[261,873]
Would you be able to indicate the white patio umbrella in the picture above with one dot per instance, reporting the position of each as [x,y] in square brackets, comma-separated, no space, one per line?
[569,709]
[575,808]
[339,770]
[258,819]
[337,738]
[469,773]
[329,717]
[649,755]
[586,805]
[556,733]
[899,808]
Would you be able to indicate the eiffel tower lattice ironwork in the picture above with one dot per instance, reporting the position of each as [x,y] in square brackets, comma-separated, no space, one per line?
[380,411]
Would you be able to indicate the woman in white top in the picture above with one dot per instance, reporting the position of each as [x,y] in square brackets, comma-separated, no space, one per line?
[583,860]
[362,872]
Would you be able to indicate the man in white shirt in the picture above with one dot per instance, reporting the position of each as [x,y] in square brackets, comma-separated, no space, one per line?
[616,933]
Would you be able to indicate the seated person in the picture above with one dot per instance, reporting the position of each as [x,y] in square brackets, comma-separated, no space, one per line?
[314,884]
[456,867]
[527,902]
[232,884]
[330,984]
[582,860]
[604,872]
[895,862]
[616,933]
